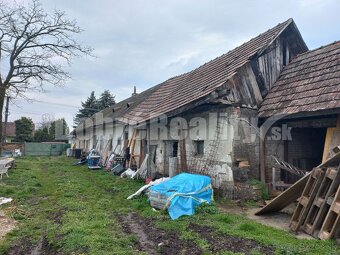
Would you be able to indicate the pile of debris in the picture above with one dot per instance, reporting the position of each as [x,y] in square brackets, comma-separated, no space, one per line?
[318,201]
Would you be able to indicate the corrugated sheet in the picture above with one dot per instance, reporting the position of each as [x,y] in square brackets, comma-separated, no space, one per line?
[189,87]
[311,82]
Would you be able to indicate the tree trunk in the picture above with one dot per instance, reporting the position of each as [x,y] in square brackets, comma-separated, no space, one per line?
[2,101]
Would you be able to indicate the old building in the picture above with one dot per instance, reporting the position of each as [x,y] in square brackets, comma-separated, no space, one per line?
[206,120]
[305,100]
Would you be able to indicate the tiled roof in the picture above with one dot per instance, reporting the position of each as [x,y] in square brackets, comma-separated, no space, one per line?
[117,110]
[189,87]
[311,82]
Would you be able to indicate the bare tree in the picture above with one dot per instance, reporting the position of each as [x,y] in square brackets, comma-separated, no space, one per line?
[34,48]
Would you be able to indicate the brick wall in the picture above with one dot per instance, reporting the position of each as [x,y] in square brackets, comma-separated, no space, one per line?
[13,146]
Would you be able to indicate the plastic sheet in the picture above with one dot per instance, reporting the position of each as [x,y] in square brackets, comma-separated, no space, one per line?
[183,193]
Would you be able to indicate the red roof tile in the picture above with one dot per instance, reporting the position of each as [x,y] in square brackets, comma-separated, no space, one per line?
[189,87]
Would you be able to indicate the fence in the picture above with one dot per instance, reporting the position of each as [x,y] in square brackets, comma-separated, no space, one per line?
[45,149]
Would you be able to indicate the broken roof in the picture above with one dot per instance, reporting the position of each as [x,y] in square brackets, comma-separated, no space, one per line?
[310,83]
[192,86]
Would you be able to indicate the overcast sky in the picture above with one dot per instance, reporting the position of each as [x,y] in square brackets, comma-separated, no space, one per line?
[142,43]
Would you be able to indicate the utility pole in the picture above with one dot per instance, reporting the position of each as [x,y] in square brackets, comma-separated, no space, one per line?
[6,119]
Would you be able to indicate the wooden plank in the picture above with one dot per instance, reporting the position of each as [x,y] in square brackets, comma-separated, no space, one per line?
[306,199]
[132,144]
[332,220]
[182,147]
[320,207]
[332,140]
[295,191]
[333,161]
[285,198]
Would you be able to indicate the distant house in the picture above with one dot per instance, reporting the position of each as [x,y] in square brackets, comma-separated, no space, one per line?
[10,131]
[208,120]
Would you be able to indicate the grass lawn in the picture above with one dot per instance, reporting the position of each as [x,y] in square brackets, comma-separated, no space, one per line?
[64,209]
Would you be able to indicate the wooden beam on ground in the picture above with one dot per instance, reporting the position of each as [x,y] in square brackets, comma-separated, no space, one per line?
[285,198]
[294,192]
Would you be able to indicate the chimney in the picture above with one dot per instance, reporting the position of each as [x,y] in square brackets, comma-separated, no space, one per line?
[134,91]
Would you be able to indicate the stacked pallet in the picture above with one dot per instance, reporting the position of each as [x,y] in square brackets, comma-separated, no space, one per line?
[318,194]
[318,208]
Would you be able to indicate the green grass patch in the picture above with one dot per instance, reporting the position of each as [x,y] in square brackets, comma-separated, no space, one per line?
[76,210]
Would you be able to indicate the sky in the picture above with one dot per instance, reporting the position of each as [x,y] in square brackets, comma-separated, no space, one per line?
[144,42]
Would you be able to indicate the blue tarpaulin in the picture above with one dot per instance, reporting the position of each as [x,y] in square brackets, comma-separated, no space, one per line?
[184,192]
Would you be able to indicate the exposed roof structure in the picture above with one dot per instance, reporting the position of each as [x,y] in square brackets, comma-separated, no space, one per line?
[311,82]
[192,86]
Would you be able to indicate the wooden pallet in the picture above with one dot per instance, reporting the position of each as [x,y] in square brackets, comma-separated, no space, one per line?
[132,145]
[331,225]
[306,199]
[320,206]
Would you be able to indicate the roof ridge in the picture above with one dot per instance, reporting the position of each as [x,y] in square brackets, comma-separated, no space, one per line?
[288,21]
[319,48]
[196,83]
[296,58]
[283,24]
[316,70]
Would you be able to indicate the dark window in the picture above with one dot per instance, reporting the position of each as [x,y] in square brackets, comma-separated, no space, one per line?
[175,149]
[104,127]
[199,147]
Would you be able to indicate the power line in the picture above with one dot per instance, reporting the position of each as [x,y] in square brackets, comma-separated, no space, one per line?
[59,104]
[45,102]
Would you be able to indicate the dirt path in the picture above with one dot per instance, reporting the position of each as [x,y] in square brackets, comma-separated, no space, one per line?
[156,241]
[279,220]
[220,243]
